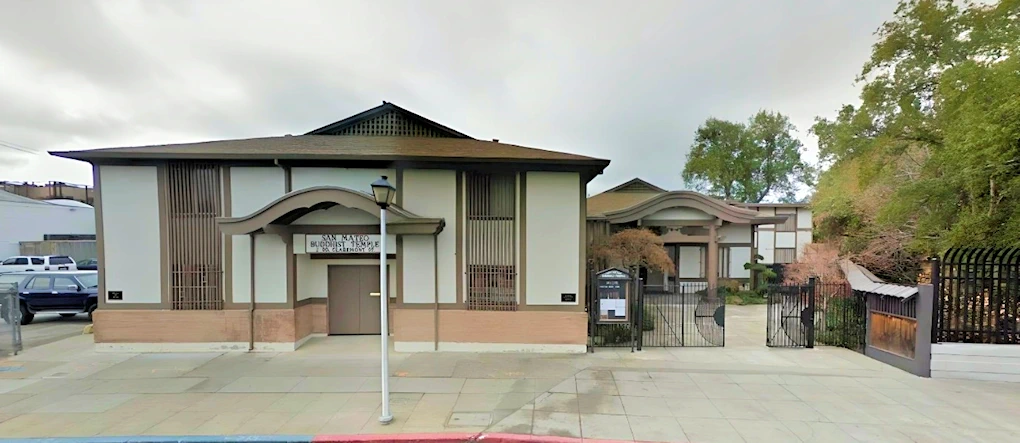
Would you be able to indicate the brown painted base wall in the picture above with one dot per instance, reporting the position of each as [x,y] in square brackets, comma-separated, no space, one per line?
[525,327]
[292,325]
[144,326]
[310,319]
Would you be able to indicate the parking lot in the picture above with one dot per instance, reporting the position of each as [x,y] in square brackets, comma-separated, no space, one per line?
[46,328]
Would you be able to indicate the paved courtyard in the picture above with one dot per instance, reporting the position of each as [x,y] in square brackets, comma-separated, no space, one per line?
[744,392]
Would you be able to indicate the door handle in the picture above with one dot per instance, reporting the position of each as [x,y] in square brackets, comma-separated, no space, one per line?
[374,294]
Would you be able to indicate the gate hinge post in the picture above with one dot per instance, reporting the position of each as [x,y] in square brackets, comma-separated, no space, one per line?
[811,310]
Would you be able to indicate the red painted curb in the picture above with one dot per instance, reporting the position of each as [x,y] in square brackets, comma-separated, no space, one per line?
[456,438]
[397,438]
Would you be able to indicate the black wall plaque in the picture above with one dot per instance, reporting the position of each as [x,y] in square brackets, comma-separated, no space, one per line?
[114,295]
[568,298]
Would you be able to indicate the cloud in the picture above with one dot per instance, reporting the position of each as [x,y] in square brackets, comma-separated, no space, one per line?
[628,81]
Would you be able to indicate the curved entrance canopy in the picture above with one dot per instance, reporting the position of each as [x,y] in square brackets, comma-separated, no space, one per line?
[688,199]
[278,215]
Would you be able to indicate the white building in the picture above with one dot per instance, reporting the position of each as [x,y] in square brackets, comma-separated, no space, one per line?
[24,219]
[707,238]
[261,243]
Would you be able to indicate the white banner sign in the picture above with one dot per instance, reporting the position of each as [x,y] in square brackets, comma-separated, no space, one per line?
[342,243]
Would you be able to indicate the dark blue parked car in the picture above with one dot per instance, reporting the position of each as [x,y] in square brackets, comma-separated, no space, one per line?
[89,264]
[67,293]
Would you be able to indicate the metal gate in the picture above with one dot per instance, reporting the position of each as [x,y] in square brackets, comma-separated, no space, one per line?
[681,315]
[829,313]
[791,316]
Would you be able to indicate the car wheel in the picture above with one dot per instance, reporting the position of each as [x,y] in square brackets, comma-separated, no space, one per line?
[68,315]
[91,309]
[26,317]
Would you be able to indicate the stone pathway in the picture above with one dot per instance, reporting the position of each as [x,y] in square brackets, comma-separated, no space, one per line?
[743,392]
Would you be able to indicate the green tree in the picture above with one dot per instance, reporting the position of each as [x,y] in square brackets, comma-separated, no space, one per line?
[930,157]
[747,162]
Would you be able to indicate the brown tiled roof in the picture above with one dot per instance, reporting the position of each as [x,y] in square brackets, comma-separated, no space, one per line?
[614,201]
[329,147]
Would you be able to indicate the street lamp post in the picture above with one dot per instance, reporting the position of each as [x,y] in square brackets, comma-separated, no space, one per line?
[384,192]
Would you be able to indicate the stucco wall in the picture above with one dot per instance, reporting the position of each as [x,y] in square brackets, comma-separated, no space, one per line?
[270,269]
[553,211]
[433,193]
[804,218]
[241,268]
[419,269]
[356,179]
[338,215]
[767,246]
[251,188]
[803,239]
[690,262]
[731,233]
[786,239]
[738,257]
[768,212]
[680,214]
[130,204]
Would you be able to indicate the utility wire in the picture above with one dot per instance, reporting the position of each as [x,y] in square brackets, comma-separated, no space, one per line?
[16,147]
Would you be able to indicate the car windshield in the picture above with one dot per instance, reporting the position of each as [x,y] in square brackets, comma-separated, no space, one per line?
[7,280]
[89,280]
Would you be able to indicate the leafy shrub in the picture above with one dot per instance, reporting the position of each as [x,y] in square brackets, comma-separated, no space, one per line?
[648,319]
[745,298]
[613,334]
[842,324]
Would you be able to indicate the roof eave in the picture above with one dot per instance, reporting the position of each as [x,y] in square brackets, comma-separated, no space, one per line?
[776,220]
[100,155]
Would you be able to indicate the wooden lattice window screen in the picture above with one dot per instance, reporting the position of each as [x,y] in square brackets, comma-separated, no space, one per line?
[194,243]
[786,255]
[390,124]
[490,241]
[790,225]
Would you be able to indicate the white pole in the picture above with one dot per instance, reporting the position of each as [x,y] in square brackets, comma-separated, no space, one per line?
[386,417]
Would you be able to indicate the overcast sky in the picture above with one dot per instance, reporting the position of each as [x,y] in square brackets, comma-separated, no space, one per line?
[629,81]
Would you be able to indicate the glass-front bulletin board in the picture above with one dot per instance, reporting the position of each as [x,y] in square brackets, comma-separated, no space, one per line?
[613,296]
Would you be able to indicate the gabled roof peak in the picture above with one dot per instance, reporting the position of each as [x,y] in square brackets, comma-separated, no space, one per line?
[391,120]
[636,185]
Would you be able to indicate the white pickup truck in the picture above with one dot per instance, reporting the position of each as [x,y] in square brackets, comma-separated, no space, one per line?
[36,263]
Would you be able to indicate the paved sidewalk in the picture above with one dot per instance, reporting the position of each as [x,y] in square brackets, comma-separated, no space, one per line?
[744,392]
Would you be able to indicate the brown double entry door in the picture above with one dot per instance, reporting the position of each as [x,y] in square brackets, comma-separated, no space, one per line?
[354,299]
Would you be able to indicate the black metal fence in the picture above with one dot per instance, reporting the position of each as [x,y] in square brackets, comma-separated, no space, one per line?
[824,313]
[688,314]
[790,318]
[978,296]
[842,317]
